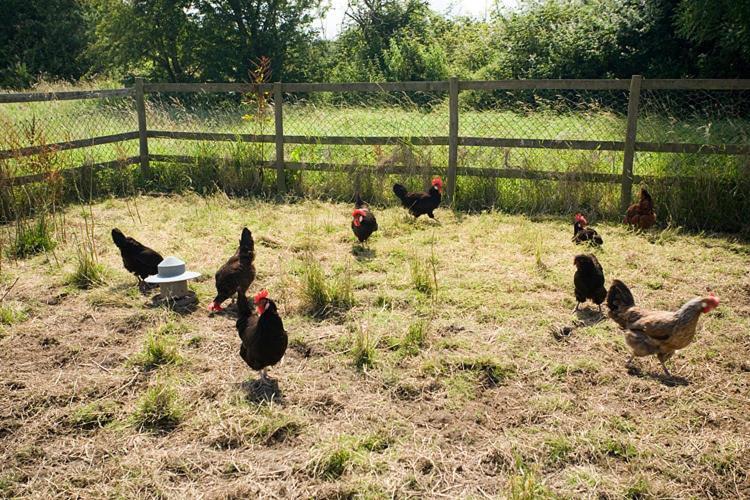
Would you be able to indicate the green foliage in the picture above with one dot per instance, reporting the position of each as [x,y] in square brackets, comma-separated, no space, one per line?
[158,409]
[159,349]
[364,349]
[42,37]
[32,238]
[184,41]
[414,339]
[332,461]
[94,415]
[323,295]
[10,315]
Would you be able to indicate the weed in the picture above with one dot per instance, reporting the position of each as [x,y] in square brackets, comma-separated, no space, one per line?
[495,373]
[323,295]
[10,315]
[363,350]
[414,339]
[420,275]
[265,424]
[558,449]
[618,449]
[526,486]
[158,409]
[88,272]
[32,238]
[158,349]
[332,461]
[93,415]
[638,490]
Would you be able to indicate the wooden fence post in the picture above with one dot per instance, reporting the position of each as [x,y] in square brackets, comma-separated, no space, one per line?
[278,99]
[140,106]
[634,99]
[452,137]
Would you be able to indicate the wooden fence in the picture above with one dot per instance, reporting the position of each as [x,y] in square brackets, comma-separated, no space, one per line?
[628,145]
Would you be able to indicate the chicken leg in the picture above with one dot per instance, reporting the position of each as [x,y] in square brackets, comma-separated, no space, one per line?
[663,357]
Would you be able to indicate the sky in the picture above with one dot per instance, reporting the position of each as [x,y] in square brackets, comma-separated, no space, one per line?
[331,25]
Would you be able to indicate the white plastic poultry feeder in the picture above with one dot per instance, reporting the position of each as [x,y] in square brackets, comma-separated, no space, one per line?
[172,279]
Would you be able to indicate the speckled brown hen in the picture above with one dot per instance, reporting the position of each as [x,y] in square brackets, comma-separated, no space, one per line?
[656,332]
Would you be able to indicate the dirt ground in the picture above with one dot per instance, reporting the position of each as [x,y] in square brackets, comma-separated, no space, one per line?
[464,389]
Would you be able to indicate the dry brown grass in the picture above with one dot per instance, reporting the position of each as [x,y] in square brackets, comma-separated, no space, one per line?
[467,392]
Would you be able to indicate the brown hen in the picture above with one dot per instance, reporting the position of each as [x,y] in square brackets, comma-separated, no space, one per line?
[656,332]
[641,214]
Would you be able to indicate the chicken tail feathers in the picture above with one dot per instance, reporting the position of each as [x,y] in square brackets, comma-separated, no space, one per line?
[400,191]
[619,298]
[358,203]
[645,195]
[243,312]
[246,242]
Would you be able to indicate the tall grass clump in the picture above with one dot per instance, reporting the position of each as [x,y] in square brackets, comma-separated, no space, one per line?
[414,339]
[88,272]
[31,238]
[158,350]
[363,348]
[158,409]
[323,295]
[344,453]
[420,275]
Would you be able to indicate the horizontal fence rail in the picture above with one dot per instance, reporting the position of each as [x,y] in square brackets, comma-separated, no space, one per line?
[629,145]
[63,96]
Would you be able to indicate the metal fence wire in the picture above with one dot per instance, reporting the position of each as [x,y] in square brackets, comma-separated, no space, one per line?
[511,137]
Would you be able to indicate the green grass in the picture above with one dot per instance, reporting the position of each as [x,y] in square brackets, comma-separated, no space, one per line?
[11,314]
[691,203]
[414,339]
[159,349]
[31,238]
[344,453]
[158,409]
[363,348]
[235,427]
[88,272]
[324,295]
[465,392]
[94,415]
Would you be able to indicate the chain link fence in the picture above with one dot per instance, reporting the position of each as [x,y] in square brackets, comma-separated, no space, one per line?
[520,149]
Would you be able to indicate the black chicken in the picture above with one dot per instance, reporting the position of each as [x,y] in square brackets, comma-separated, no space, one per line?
[237,274]
[264,339]
[363,220]
[136,257]
[421,203]
[582,233]
[589,280]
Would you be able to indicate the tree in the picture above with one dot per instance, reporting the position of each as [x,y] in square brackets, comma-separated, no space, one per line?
[158,36]
[42,38]
[238,32]
[720,31]
[391,40]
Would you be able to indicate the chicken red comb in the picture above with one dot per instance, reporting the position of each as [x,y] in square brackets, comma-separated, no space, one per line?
[359,211]
[580,218]
[437,181]
[263,294]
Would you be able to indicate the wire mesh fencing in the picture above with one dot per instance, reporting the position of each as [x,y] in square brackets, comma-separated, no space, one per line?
[525,146]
